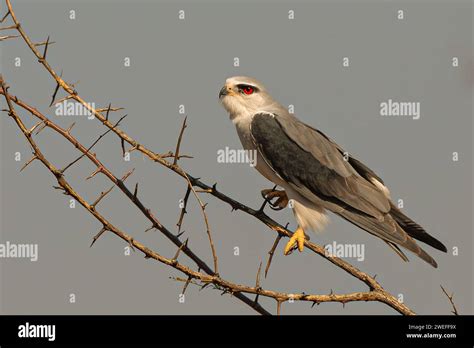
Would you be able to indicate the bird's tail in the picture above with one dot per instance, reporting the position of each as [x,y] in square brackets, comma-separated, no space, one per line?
[414,230]
[390,231]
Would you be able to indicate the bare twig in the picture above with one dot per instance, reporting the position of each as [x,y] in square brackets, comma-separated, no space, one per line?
[451,300]
[271,252]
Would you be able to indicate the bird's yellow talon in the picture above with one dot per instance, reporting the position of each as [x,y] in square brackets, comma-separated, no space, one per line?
[298,239]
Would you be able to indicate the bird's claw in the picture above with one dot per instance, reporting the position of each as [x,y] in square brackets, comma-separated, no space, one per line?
[270,194]
[296,241]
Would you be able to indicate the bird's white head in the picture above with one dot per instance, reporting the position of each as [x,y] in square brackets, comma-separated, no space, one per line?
[243,96]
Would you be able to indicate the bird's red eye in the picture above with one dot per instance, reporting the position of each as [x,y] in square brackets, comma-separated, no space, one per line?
[248,90]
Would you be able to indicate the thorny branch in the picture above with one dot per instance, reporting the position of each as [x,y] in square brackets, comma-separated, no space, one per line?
[226,286]
[210,277]
[375,293]
[118,182]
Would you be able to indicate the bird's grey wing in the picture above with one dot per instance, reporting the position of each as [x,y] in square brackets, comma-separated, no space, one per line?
[360,167]
[408,225]
[310,161]
[315,168]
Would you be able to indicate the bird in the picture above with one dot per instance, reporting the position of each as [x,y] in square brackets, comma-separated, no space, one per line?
[316,174]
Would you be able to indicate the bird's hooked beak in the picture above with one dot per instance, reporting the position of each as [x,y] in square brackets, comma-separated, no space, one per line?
[223,92]
[226,90]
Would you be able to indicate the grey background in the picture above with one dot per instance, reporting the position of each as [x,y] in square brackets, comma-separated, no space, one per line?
[186,62]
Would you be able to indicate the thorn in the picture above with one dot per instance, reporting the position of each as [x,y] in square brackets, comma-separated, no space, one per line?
[278,307]
[150,228]
[180,234]
[107,114]
[183,245]
[130,243]
[68,130]
[214,187]
[28,162]
[183,210]
[55,91]
[125,177]
[133,148]
[4,17]
[123,146]
[34,127]
[256,298]
[204,286]
[186,285]
[135,192]
[61,189]
[98,170]
[178,144]
[45,48]
[97,236]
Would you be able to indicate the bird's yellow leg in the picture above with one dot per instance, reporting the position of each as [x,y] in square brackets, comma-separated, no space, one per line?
[298,239]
